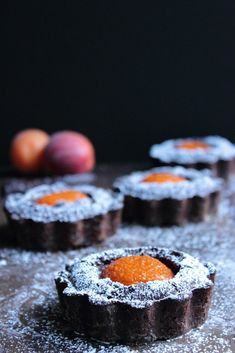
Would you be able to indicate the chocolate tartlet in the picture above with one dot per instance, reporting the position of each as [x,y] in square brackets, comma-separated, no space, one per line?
[168,196]
[212,152]
[98,307]
[60,217]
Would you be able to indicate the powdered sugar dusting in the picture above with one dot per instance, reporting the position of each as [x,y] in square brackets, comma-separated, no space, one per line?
[23,206]
[31,319]
[220,149]
[83,277]
[199,183]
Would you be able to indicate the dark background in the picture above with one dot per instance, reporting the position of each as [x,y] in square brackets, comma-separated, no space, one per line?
[127,74]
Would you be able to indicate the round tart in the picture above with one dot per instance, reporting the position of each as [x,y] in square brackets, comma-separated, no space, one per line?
[59,217]
[212,152]
[167,294]
[168,196]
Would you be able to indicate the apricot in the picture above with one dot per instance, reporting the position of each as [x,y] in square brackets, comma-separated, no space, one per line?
[193,145]
[27,149]
[130,270]
[163,178]
[69,152]
[68,196]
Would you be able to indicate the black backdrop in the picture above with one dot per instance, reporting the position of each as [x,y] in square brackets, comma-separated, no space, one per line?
[127,74]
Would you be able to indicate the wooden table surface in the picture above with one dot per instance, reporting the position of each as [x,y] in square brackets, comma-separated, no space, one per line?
[30,317]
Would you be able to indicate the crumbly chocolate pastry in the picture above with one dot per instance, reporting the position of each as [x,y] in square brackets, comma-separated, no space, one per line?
[105,310]
[212,152]
[169,196]
[60,217]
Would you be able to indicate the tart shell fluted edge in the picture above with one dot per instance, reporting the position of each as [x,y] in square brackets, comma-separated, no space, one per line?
[172,203]
[124,324]
[54,236]
[66,224]
[121,323]
[169,211]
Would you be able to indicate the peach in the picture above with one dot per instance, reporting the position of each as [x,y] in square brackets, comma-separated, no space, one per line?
[26,150]
[69,152]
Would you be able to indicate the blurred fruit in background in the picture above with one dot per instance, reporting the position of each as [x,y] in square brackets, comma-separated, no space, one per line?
[69,152]
[65,152]
[27,150]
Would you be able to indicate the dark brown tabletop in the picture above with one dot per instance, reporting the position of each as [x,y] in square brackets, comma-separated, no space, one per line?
[30,317]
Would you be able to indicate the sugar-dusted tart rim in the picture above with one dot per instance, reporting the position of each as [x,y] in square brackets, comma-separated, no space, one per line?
[83,277]
[196,183]
[219,149]
[24,205]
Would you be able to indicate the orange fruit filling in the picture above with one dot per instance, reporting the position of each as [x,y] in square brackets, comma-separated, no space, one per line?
[163,178]
[68,196]
[193,145]
[136,269]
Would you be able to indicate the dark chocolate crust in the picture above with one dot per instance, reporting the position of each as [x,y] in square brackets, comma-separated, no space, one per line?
[221,168]
[119,322]
[168,212]
[54,236]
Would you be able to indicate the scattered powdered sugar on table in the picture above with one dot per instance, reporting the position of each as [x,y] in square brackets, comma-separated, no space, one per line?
[197,183]
[31,319]
[219,148]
